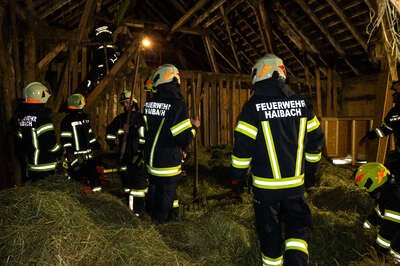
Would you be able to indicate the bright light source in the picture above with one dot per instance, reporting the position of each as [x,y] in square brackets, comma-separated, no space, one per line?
[146,42]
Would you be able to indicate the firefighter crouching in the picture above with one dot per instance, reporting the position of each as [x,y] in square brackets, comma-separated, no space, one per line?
[79,142]
[381,185]
[37,146]
[132,171]
[169,131]
[279,136]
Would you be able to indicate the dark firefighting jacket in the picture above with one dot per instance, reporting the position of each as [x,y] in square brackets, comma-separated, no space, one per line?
[36,137]
[136,134]
[277,133]
[169,131]
[386,214]
[391,124]
[77,137]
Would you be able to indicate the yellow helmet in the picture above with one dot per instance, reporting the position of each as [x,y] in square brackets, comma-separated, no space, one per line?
[76,101]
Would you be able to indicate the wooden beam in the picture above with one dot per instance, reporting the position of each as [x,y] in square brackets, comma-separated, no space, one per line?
[318,92]
[143,24]
[188,15]
[86,16]
[58,4]
[228,31]
[280,39]
[91,98]
[396,4]
[348,24]
[156,11]
[228,9]
[46,60]
[326,33]
[177,5]
[223,56]
[210,53]
[263,24]
[207,13]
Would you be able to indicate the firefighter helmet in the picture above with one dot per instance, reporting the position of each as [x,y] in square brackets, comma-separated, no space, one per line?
[76,101]
[265,67]
[149,84]
[164,74]
[371,176]
[36,92]
[126,96]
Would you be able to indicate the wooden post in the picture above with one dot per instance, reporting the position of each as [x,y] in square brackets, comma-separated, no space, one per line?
[335,77]
[15,48]
[84,64]
[210,53]
[329,93]
[318,91]
[30,56]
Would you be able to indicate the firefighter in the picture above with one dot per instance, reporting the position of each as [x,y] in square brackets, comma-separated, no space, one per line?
[79,142]
[382,186]
[132,171]
[390,125]
[278,135]
[169,132]
[36,139]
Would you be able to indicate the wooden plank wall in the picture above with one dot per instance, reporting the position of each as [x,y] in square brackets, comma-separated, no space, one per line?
[218,99]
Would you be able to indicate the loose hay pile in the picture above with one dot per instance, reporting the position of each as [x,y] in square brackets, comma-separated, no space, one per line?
[53,222]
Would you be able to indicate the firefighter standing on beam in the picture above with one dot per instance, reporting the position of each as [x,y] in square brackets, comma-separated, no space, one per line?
[279,136]
[132,171]
[37,145]
[169,132]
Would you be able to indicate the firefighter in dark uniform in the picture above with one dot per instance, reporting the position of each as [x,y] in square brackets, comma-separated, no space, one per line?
[36,139]
[390,125]
[132,170]
[279,136]
[169,132]
[381,185]
[79,142]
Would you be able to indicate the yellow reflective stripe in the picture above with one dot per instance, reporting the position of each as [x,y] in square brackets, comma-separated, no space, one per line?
[175,204]
[120,131]
[367,225]
[312,124]
[92,140]
[271,261]
[19,134]
[55,148]
[42,167]
[164,171]
[385,125]
[382,242]
[90,130]
[44,128]
[378,211]
[269,142]
[67,145]
[142,141]
[66,134]
[193,132]
[110,136]
[36,146]
[153,147]
[141,131]
[77,147]
[296,244]
[396,255]
[300,146]
[271,183]
[313,157]
[391,216]
[246,129]
[240,162]
[180,127]
[138,193]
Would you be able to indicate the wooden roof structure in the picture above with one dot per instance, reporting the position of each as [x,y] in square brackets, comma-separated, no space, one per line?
[233,33]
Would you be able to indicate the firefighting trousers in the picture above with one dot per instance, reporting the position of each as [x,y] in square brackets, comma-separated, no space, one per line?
[134,181]
[161,197]
[87,169]
[388,239]
[283,228]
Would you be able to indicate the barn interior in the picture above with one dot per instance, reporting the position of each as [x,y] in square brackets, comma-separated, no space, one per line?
[341,55]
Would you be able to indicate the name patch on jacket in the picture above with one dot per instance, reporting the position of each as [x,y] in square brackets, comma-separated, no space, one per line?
[154,108]
[27,121]
[281,109]
[81,122]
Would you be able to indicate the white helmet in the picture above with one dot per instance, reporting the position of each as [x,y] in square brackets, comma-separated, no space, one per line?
[36,92]
[126,96]
[165,74]
[266,66]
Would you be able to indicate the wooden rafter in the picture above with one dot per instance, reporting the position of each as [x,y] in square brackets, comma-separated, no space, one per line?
[228,31]
[135,23]
[156,11]
[188,15]
[56,6]
[178,6]
[222,54]
[207,13]
[396,4]
[348,24]
[210,53]
[45,61]
[228,9]
[326,33]
[263,24]
[294,54]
